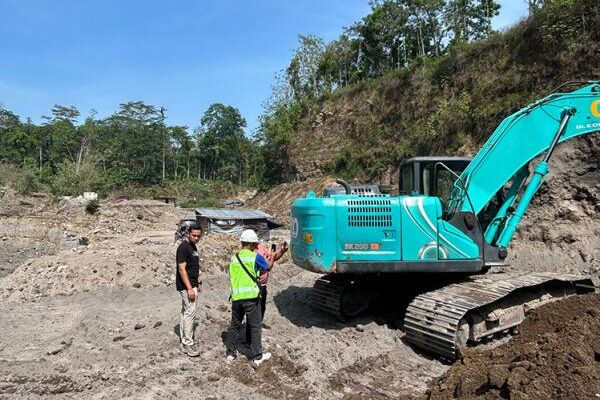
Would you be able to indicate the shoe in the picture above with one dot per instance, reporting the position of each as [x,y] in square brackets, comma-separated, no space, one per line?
[257,361]
[190,350]
[265,326]
[231,357]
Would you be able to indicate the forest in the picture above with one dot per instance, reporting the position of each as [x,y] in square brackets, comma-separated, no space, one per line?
[135,147]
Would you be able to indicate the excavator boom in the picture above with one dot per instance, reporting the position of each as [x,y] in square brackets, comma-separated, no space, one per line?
[518,140]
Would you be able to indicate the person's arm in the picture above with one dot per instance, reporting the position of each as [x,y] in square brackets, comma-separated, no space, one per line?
[281,250]
[186,280]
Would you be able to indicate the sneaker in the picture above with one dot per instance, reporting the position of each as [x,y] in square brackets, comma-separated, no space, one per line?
[257,361]
[190,350]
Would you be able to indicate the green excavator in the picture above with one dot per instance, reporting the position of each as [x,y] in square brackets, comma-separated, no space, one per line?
[451,223]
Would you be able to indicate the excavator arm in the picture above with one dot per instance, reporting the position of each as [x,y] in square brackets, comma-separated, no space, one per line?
[508,153]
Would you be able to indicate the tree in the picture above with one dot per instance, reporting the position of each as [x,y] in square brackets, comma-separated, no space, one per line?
[59,136]
[470,19]
[136,135]
[220,142]
[302,73]
[535,5]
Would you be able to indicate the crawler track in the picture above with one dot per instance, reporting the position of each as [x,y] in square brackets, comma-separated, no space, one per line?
[442,321]
[340,296]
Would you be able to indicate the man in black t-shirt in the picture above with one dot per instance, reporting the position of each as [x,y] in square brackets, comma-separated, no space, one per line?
[188,285]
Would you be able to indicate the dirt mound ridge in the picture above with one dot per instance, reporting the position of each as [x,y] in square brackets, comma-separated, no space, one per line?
[278,200]
[556,355]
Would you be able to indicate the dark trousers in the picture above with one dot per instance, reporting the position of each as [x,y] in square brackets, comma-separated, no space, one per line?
[250,309]
[263,308]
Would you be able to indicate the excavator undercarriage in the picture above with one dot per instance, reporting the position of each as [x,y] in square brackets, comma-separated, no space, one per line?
[445,320]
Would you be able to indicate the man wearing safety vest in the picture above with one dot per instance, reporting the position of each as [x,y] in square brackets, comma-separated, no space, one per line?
[245,297]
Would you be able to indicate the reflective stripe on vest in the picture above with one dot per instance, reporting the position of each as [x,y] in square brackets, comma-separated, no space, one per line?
[242,286]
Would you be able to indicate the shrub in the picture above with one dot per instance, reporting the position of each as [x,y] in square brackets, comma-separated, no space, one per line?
[92,206]
[71,180]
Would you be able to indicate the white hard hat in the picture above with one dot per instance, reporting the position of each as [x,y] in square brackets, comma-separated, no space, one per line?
[249,236]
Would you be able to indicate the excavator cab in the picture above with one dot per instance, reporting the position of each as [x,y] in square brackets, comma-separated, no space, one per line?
[431,176]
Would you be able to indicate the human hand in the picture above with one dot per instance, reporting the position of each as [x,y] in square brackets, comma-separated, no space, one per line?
[283,247]
[262,278]
[191,294]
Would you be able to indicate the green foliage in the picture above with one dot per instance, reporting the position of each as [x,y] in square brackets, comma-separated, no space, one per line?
[92,206]
[25,179]
[133,146]
[447,104]
[72,179]
[223,149]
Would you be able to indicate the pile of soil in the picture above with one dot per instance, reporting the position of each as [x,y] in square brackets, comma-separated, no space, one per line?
[555,356]
[278,201]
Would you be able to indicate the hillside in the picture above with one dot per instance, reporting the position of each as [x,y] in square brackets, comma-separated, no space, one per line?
[449,105]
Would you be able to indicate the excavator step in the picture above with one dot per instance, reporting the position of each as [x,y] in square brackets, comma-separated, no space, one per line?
[444,320]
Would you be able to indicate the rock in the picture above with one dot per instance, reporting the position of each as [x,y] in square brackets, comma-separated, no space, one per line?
[360,328]
[222,308]
[213,378]
[521,364]
[517,378]
[139,326]
[118,338]
[55,350]
[592,312]
[157,324]
[497,376]
[61,368]
[137,285]
[466,387]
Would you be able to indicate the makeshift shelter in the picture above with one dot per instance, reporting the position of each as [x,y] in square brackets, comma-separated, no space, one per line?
[235,221]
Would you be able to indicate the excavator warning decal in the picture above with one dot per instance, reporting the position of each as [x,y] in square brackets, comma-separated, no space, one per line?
[595,108]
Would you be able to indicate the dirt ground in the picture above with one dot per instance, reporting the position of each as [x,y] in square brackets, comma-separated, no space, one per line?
[88,309]
[555,356]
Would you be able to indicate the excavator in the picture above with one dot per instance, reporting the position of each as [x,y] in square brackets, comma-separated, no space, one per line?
[452,221]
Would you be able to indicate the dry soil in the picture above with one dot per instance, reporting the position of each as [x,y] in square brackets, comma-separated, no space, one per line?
[88,309]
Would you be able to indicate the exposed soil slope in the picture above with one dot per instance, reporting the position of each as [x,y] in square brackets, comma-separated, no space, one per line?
[555,356]
[447,106]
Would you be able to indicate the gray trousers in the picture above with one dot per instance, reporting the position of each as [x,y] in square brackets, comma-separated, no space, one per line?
[188,315]
[251,309]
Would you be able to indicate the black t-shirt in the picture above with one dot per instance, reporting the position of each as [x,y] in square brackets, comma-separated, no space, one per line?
[188,253]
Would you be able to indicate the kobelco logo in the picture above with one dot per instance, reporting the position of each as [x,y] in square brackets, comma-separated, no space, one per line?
[595,108]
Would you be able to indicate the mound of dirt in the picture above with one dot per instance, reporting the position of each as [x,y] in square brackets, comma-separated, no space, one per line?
[278,201]
[561,228]
[556,355]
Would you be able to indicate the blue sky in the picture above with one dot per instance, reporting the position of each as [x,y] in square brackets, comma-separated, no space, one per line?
[183,55]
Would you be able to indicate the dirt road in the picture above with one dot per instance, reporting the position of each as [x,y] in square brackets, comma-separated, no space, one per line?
[100,321]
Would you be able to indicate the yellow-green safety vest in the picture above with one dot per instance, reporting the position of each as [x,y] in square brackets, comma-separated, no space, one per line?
[242,286]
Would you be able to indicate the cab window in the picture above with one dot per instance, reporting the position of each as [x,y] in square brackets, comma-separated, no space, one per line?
[406,178]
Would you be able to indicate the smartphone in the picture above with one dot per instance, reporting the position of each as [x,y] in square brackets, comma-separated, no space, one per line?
[273,247]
